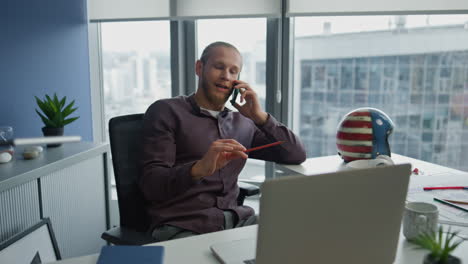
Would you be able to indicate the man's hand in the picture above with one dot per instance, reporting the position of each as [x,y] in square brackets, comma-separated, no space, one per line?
[251,108]
[218,155]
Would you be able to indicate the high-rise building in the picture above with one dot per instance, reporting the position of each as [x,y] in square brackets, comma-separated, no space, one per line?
[418,80]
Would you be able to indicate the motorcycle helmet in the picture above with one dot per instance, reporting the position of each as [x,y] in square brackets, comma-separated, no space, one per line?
[363,134]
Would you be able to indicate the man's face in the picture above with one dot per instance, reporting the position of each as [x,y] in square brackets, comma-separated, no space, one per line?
[216,76]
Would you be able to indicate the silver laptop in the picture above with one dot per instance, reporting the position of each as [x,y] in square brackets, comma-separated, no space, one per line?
[350,216]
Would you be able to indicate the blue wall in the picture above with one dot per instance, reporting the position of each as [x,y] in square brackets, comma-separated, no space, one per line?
[43,49]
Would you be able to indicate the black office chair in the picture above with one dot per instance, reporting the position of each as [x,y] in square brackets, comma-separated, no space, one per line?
[125,134]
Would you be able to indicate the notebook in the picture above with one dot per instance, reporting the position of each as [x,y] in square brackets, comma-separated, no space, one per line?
[131,254]
[350,216]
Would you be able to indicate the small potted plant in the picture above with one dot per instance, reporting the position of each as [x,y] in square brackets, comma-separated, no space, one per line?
[439,245]
[54,115]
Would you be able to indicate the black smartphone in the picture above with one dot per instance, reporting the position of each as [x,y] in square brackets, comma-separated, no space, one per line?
[235,93]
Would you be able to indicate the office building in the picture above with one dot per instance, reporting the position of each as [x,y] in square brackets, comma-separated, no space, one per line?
[421,88]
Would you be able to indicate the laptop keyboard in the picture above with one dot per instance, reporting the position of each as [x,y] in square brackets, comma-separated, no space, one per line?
[250,261]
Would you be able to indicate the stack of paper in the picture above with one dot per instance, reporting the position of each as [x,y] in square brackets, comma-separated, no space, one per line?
[447,215]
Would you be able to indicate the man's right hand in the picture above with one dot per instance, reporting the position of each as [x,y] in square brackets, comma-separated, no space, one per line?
[220,153]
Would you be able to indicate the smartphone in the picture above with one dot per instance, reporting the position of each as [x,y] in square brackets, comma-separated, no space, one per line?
[235,93]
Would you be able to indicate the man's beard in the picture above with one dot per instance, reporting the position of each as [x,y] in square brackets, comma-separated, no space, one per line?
[209,94]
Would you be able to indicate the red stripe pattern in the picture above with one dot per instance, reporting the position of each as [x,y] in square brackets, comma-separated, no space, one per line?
[355,124]
[356,149]
[360,113]
[354,136]
[353,143]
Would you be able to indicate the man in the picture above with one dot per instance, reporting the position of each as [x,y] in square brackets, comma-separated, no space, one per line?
[193,150]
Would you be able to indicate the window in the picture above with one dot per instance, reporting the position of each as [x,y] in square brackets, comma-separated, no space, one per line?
[260,76]
[248,35]
[136,66]
[414,68]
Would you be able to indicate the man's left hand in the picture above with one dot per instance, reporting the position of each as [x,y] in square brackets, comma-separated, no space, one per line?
[251,108]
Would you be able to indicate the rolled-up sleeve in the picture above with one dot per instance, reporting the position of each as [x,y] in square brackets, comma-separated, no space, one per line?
[292,151]
[161,180]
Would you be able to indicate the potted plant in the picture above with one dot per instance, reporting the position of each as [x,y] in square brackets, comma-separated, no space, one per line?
[54,115]
[439,245]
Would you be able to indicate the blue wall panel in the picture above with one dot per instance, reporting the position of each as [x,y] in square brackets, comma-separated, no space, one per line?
[44,49]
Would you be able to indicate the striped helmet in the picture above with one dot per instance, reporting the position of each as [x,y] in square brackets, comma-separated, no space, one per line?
[363,134]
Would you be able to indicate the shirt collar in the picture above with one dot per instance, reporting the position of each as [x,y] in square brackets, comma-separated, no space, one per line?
[198,111]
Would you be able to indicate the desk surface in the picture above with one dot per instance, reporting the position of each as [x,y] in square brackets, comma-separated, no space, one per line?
[196,249]
[333,163]
[19,170]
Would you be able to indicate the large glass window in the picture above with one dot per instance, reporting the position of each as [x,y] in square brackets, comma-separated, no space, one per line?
[248,35]
[136,66]
[414,68]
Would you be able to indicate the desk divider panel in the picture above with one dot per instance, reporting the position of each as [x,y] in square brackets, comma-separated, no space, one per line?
[74,199]
[19,209]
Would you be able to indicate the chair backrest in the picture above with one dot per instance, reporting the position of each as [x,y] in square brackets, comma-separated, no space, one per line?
[125,134]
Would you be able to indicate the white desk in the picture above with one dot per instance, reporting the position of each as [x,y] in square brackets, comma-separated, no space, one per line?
[196,249]
[333,163]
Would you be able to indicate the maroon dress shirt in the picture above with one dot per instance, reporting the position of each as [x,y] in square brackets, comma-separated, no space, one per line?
[176,134]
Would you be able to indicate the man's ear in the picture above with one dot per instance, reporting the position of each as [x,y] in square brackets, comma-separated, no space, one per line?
[198,67]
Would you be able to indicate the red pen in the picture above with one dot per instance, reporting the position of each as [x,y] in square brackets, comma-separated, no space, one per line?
[446,188]
[456,202]
[264,146]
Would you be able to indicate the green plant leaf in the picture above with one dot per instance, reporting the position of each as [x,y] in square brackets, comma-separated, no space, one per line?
[58,119]
[53,107]
[440,246]
[53,111]
[48,111]
[68,110]
[441,234]
[45,108]
[427,241]
[38,100]
[56,101]
[455,245]
[54,122]
[49,100]
[40,103]
[62,102]
[448,238]
[45,120]
[68,121]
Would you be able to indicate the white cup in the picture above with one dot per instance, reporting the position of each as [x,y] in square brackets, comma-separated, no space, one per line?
[419,218]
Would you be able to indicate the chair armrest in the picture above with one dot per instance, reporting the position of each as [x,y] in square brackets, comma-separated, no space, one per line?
[246,190]
[125,236]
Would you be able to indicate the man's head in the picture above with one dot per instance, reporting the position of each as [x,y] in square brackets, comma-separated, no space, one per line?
[219,65]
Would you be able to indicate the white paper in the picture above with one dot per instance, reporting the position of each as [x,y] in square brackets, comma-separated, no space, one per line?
[447,214]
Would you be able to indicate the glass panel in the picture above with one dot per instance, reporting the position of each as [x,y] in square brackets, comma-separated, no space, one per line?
[414,68]
[248,35]
[136,66]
